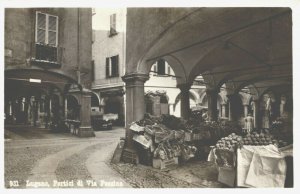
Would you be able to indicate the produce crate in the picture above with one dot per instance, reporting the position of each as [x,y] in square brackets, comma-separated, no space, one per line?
[159,136]
[227,176]
[188,136]
[179,134]
[149,131]
[156,109]
[136,128]
[197,136]
[164,108]
[162,164]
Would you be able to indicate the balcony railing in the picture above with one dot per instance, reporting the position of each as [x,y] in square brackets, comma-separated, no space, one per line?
[46,56]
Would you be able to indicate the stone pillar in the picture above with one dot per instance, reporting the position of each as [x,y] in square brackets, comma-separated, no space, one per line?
[282,105]
[231,100]
[223,110]
[212,100]
[256,113]
[185,100]
[135,110]
[85,129]
[66,108]
[245,110]
[171,110]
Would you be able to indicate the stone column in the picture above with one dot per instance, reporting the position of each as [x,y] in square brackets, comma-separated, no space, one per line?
[185,100]
[282,105]
[66,108]
[212,100]
[231,100]
[223,110]
[171,110]
[245,110]
[256,113]
[85,129]
[135,110]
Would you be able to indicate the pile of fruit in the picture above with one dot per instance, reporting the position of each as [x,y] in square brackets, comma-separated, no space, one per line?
[231,142]
[257,139]
[261,139]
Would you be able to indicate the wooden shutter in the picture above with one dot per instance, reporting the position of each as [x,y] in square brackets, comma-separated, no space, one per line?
[114,66]
[40,34]
[52,30]
[114,22]
[107,67]
[117,65]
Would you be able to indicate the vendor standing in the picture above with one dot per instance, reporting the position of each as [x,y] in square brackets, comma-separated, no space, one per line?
[249,123]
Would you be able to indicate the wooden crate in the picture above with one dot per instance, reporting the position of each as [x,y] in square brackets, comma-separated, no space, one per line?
[227,176]
[162,164]
[188,136]
[197,136]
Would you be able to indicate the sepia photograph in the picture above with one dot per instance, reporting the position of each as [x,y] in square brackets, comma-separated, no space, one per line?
[148,97]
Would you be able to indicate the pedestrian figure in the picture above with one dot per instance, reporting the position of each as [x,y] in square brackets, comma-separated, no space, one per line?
[249,123]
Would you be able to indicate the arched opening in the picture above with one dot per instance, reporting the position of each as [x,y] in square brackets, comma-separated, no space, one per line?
[161,89]
[73,108]
[115,105]
[27,104]
[95,102]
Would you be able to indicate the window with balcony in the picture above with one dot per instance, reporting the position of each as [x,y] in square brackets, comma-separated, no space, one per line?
[46,38]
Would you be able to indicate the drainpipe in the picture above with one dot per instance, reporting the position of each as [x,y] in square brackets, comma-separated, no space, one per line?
[78,46]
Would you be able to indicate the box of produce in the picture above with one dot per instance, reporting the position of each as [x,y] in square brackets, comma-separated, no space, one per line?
[231,142]
[188,136]
[136,128]
[179,134]
[162,164]
[227,176]
[142,140]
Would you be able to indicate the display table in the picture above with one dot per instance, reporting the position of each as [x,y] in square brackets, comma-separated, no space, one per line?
[256,166]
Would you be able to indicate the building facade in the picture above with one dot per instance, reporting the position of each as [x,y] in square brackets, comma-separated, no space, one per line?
[48,66]
[109,61]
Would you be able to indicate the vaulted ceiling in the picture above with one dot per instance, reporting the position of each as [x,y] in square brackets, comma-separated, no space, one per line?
[236,46]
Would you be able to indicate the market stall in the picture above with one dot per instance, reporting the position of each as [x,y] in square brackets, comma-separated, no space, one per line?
[167,140]
[252,160]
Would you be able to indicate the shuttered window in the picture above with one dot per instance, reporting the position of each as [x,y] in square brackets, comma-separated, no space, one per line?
[46,29]
[113,24]
[107,67]
[112,66]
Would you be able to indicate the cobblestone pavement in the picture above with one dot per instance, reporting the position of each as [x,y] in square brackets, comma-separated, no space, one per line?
[196,174]
[58,160]
[64,161]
